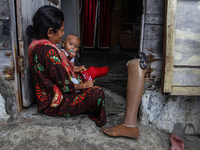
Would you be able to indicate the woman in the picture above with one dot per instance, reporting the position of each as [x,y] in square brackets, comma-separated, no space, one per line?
[56,93]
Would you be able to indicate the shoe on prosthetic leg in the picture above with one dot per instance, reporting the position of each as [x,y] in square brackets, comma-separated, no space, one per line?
[135,87]
[94,72]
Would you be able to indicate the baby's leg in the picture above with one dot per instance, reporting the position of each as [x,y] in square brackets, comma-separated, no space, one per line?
[94,72]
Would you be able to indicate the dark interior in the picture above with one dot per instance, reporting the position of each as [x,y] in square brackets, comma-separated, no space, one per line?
[125,16]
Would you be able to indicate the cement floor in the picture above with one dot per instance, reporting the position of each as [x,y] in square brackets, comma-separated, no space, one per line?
[40,132]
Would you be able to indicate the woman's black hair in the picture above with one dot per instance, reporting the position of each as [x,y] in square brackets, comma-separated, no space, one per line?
[46,17]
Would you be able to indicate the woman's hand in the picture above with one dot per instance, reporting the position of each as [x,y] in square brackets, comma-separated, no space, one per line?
[85,85]
[89,84]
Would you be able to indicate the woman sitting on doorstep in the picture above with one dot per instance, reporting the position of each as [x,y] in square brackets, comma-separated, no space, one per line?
[52,72]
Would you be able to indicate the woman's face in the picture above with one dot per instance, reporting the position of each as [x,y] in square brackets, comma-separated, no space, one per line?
[57,37]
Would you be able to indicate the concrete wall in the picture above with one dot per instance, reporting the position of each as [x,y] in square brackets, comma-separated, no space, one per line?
[71,13]
[8,107]
[172,114]
[3,115]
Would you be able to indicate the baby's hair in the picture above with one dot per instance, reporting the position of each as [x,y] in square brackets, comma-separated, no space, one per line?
[46,17]
[70,35]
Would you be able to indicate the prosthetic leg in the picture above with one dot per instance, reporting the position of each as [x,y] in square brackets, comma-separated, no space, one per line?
[135,86]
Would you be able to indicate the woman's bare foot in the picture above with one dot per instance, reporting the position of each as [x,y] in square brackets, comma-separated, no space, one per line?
[120,130]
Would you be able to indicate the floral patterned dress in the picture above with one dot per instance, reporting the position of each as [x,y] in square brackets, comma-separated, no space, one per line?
[55,92]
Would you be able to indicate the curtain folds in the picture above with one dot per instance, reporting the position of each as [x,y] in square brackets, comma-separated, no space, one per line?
[89,23]
[96,11]
[105,21]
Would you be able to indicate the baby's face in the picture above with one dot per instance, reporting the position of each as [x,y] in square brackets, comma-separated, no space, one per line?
[72,43]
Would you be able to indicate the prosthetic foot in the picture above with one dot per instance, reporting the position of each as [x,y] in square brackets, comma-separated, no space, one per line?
[122,130]
[94,72]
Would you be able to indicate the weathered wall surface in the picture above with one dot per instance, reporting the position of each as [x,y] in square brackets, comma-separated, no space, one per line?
[8,106]
[3,115]
[6,61]
[153,32]
[173,114]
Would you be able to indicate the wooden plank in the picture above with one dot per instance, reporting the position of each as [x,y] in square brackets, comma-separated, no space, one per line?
[154,19]
[154,46]
[170,26]
[35,5]
[28,9]
[153,32]
[5,67]
[153,39]
[186,77]
[6,61]
[5,41]
[188,91]
[19,19]
[3,53]
[155,7]
[13,34]
[187,34]
[164,49]
[153,36]
[4,11]
[154,12]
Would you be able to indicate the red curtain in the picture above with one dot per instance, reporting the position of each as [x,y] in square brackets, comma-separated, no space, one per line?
[89,23]
[90,17]
[104,33]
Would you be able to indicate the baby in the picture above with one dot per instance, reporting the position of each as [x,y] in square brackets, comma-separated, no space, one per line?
[71,46]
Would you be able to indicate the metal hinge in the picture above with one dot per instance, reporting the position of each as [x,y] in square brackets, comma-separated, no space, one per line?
[20,64]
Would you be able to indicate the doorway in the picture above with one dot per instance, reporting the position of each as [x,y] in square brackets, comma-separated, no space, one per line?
[124,14]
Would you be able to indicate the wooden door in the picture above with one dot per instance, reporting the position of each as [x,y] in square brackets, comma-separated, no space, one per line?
[6,54]
[182,48]
[151,42]
[25,10]
[8,46]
